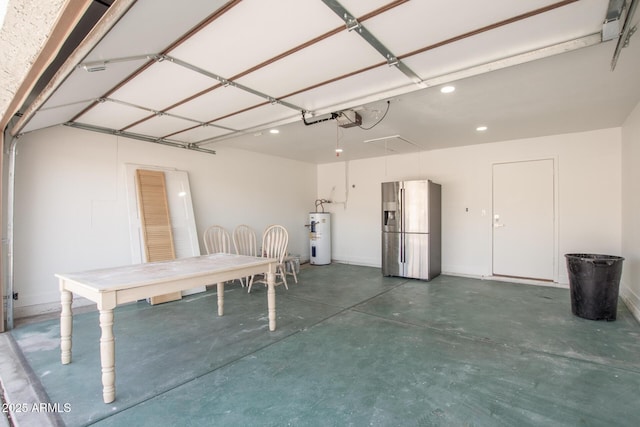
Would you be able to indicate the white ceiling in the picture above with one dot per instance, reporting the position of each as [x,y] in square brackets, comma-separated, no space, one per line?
[212,74]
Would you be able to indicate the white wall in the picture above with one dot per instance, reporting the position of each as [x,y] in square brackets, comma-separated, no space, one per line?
[630,283]
[71,202]
[71,211]
[589,199]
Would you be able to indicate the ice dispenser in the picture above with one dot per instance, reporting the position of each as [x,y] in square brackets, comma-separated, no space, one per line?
[389,220]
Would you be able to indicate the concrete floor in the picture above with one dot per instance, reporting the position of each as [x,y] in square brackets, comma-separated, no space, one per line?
[351,348]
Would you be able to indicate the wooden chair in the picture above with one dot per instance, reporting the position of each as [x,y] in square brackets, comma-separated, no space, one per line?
[274,245]
[216,240]
[244,241]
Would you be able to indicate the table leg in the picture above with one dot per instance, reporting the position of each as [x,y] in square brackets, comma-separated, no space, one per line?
[66,326]
[220,298]
[107,356]
[271,299]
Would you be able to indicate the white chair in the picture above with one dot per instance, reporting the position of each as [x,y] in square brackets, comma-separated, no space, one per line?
[244,240]
[290,264]
[216,240]
[274,245]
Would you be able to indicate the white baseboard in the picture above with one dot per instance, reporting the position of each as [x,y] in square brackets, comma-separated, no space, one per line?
[510,280]
[631,300]
[528,281]
[468,276]
[362,263]
[48,308]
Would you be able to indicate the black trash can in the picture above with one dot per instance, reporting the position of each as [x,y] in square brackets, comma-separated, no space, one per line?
[594,281]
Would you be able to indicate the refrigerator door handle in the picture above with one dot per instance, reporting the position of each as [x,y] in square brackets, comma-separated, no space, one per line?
[401,221]
[401,210]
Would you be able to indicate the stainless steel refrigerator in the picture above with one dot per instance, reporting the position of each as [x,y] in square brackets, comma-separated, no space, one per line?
[411,229]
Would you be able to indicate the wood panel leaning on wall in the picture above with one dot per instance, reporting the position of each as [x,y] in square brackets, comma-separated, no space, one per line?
[155,222]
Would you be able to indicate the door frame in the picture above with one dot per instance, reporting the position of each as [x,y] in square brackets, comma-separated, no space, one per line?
[556,216]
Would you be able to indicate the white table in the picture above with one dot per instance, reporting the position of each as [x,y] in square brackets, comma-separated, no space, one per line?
[113,286]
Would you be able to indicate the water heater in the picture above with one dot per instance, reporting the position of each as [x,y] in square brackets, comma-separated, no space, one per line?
[320,238]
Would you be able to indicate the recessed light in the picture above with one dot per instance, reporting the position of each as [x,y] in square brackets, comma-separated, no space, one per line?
[338,150]
[274,131]
[481,128]
[447,89]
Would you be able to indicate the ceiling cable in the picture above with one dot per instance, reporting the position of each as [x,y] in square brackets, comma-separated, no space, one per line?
[338,149]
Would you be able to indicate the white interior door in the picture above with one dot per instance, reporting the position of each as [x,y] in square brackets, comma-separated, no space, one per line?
[523,219]
[183,223]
